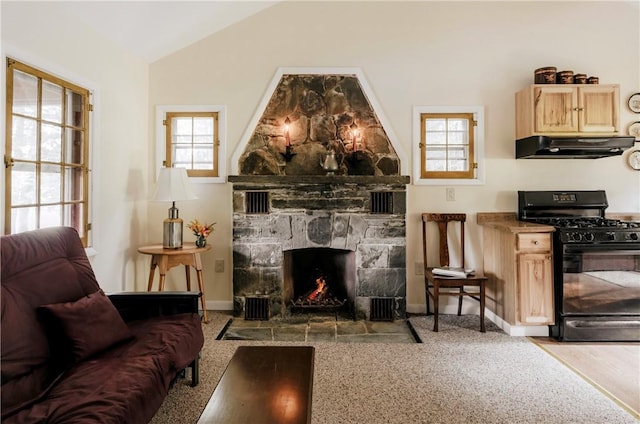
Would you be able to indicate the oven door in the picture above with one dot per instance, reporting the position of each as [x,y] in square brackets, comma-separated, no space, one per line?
[600,291]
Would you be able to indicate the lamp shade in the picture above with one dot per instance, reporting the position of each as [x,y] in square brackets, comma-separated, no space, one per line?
[173,184]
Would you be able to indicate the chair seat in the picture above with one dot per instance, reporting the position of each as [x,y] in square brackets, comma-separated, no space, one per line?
[434,283]
[471,280]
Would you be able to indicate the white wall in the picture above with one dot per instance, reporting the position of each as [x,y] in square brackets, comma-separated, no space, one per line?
[415,53]
[44,35]
[412,53]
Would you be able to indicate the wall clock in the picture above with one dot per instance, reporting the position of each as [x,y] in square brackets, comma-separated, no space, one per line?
[634,160]
[634,130]
[634,103]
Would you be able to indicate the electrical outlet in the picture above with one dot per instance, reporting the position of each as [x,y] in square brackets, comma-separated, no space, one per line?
[451,194]
[419,268]
[219,265]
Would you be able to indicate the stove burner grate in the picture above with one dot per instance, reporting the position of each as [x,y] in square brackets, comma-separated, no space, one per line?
[587,222]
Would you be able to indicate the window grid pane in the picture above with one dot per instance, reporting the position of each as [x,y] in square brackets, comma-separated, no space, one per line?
[25,94]
[24,134]
[193,138]
[51,102]
[48,145]
[447,144]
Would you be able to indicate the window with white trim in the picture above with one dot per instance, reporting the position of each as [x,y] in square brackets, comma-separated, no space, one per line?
[46,151]
[191,140]
[448,145]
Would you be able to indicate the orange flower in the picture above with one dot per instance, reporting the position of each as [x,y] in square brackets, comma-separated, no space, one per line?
[200,230]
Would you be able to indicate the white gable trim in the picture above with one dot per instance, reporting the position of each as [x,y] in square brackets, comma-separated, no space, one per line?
[402,156]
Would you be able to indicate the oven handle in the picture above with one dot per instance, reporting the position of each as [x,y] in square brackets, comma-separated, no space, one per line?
[617,248]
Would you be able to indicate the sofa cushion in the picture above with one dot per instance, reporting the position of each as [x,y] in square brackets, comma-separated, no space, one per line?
[90,324]
[134,377]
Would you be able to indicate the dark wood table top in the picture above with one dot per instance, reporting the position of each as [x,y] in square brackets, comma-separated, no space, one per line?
[264,384]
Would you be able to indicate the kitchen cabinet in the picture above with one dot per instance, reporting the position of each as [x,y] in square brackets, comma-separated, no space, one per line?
[518,262]
[568,109]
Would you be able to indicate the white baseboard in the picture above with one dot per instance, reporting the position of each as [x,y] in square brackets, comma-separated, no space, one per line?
[219,305]
[512,330]
[518,330]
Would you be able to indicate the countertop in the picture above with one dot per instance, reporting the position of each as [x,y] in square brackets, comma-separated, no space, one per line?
[506,221]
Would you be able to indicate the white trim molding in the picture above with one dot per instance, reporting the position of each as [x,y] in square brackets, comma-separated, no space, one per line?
[512,330]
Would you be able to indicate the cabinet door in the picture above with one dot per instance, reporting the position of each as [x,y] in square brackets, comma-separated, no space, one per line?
[598,108]
[556,109]
[535,288]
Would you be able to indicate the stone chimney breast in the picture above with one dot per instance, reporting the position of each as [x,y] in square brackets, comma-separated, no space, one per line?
[309,114]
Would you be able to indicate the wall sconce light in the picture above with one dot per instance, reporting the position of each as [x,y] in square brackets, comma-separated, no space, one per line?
[354,136]
[288,152]
[173,185]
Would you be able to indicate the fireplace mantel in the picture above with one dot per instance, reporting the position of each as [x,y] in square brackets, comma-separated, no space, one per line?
[274,180]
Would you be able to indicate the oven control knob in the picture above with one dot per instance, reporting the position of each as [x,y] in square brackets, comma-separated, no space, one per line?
[611,236]
[575,236]
[589,237]
[633,236]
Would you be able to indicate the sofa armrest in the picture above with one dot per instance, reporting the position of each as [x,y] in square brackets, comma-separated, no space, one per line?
[141,305]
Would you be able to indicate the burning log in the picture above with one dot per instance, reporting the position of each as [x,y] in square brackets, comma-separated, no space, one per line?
[320,297]
[320,291]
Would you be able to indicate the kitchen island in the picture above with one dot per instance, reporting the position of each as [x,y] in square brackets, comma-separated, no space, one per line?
[518,260]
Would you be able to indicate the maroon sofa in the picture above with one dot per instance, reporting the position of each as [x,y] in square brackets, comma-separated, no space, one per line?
[70,354]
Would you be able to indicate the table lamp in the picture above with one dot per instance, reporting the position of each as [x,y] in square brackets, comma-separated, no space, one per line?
[173,185]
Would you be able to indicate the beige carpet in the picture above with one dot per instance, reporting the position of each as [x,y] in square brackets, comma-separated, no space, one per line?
[457,375]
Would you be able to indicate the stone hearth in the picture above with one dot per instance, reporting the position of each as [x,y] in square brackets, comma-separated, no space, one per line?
[339,212]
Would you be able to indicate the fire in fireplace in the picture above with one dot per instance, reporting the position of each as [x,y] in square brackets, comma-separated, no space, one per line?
[319,279]
[320,298]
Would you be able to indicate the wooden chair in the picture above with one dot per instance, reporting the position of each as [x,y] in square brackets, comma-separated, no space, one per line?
[433,283]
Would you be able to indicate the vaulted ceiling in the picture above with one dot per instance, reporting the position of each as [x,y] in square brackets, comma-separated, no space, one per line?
[151,30]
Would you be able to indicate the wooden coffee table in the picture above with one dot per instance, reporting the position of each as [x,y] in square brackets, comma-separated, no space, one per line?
[264,384]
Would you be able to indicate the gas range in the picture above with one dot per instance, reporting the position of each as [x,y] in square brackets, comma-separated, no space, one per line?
[578,216]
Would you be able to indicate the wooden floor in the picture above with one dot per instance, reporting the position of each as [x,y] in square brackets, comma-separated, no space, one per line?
[614,368]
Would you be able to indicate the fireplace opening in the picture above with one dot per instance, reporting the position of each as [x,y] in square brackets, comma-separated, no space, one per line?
[319,279]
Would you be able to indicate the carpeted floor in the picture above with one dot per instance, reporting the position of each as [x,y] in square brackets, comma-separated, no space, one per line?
[457,375]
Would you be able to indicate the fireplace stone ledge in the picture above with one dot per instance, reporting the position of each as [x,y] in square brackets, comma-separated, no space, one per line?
[268,181]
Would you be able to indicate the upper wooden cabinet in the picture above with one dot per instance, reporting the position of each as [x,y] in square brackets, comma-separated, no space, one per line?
[567,109]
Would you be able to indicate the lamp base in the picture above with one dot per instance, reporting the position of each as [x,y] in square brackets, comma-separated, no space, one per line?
[172,233]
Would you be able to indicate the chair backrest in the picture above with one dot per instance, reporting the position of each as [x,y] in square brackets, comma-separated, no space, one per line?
[443,220]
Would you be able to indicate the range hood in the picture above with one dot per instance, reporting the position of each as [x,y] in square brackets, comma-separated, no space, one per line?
[548,147]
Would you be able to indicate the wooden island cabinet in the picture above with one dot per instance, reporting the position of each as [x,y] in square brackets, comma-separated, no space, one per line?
[518,260]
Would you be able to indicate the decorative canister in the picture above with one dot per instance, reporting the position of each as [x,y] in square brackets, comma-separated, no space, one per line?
[545,75]
[593,80]
[201,241]
[564,77]
[580,79]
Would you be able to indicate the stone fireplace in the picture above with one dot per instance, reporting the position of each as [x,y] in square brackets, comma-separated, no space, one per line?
[296,224]
[335,212]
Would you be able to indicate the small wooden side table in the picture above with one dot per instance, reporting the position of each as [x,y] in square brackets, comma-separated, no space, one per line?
[165,259]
